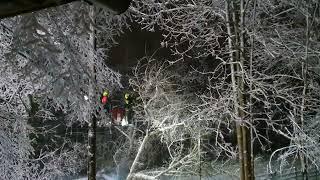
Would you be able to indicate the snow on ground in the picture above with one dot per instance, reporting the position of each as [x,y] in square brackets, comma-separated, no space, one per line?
[102,175]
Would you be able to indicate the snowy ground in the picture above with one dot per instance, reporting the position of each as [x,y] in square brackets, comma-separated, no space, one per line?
[232,169]
[102,177]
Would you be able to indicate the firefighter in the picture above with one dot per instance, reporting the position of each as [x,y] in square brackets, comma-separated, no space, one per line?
[128,107]
[106,101]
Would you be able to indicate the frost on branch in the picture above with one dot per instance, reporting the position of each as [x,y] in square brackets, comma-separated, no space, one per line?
[186,25]
[53,50]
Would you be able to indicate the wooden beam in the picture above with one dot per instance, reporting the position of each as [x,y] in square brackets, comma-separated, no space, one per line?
[9,8]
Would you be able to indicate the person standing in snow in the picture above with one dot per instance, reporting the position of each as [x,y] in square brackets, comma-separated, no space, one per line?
[106,101]
[128,107]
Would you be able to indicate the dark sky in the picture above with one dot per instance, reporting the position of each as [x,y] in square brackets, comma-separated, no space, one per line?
[133,45]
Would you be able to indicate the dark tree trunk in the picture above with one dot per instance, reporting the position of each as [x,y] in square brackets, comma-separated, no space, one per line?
[92,132]
[92,136]
[236,28]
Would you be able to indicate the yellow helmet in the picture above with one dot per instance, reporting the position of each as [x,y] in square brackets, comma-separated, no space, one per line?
[105,93]
[126,95]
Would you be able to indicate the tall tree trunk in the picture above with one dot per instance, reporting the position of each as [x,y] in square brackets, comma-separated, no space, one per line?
[236,43]
[305,85]
[234,86]
[248,171]
[92,131]
[250,89]
[92,148]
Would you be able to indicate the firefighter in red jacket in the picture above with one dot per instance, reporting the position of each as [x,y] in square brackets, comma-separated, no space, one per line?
[106,101]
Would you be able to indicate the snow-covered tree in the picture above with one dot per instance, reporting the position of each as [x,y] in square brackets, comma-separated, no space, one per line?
[261,72]
[264,53]
[163,113]
[50,55]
